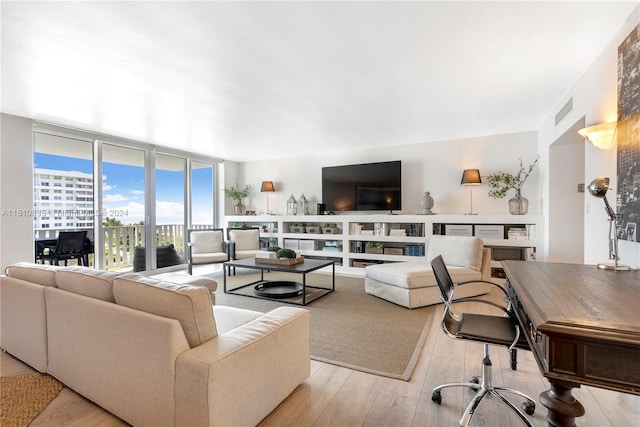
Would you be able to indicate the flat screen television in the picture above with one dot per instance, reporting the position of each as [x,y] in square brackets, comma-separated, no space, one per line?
[364,187]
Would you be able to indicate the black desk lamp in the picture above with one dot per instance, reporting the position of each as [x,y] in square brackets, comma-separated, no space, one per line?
[598,188]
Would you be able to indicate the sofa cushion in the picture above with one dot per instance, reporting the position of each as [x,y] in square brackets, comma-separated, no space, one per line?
[245,240]
[206,241]
[461,251]
[87,281]
[190,305]
[40,274]
[415,274]
[185,279]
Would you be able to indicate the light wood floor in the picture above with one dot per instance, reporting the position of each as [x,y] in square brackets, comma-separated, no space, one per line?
[336,396]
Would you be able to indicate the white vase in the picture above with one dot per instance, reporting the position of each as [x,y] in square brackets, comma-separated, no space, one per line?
[427,204]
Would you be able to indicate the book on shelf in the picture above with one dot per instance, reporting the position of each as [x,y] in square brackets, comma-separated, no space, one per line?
[518,233]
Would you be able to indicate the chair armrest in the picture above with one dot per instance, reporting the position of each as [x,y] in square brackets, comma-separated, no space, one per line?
[503,290]
[239,377]
[507,311]
[231,250]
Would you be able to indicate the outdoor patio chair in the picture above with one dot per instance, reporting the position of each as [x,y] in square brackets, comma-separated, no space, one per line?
[69,245]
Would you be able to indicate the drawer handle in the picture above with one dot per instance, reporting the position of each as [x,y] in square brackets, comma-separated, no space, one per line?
[535,335]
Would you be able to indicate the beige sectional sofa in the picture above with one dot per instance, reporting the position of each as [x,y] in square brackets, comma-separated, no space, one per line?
[153,353]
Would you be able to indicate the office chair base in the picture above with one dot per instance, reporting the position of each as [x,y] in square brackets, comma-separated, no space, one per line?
[484,387]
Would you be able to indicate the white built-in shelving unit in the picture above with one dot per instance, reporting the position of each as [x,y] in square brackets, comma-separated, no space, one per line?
[364,239]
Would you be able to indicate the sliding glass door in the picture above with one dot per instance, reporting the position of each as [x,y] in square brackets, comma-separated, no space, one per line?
[202,195]
[170,209]
[137,200]
[63,190]
[123,207]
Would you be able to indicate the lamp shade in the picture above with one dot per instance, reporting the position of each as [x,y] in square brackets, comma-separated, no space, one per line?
[598,187]
[267,186]
[471,177]
[602,136]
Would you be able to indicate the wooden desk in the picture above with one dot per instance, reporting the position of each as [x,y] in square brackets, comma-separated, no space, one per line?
[583,326]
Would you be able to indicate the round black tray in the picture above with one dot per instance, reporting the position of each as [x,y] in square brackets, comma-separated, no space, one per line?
[278,289]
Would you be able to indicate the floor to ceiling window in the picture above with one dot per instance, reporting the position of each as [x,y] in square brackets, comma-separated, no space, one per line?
[170,209]
[123,206]
[202,200]
[144,199]
[63,189]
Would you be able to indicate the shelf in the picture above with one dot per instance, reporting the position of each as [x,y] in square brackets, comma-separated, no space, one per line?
[412,224]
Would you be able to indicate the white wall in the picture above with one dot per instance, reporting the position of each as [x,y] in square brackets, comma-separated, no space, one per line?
[434,166]
[566,213]
[594,98]
[16,190]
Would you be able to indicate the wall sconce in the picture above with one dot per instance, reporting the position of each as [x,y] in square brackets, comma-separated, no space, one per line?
[602,136]
[267,187]
[598,189]
[471,177]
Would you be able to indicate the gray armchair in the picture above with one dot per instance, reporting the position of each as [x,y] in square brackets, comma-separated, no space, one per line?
[206,247]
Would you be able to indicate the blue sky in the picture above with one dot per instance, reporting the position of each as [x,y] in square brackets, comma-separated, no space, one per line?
[123,190]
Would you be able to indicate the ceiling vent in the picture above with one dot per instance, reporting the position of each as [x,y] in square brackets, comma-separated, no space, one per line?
[568,107]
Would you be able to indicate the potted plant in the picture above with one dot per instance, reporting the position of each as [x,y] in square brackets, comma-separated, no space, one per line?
[235,193]
[500,183]
[286,253]
[297,227]
[330,228]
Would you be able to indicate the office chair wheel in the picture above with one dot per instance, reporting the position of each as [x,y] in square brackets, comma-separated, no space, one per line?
[437,397]
[528,407]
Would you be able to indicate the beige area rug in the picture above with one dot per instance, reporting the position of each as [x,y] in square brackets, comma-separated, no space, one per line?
[349,327]
[25,396]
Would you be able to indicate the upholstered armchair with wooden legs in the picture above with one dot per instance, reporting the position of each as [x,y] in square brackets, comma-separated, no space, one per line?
[487,329]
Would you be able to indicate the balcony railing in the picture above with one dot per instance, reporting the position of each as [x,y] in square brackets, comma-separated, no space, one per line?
[121,241]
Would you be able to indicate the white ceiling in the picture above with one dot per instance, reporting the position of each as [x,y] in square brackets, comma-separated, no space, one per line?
[254,80]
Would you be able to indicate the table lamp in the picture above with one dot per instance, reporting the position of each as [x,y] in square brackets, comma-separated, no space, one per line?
[471,177]
[598,188]
[267,187]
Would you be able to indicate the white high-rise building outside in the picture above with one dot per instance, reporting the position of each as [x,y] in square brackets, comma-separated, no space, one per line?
[63,199]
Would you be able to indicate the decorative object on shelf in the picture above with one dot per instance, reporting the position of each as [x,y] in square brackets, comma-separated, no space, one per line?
[374,247]
[598,188]
[330,228]
[602,136]
[313,230]
[267,187]
[297,227]
[279,256]
[235,193]
[303,206]
[427,204]
[292,206]
[471,177]
[501,182]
